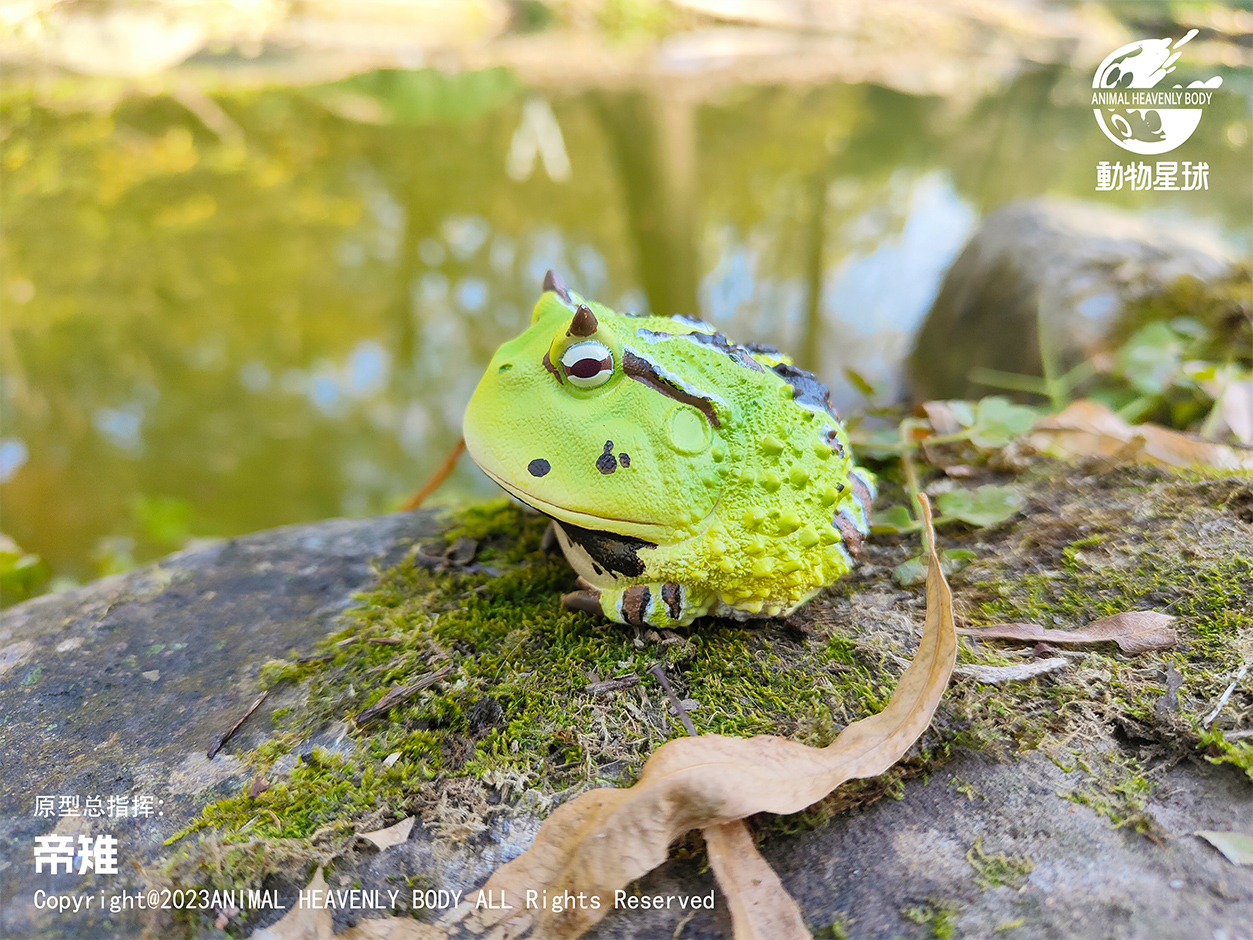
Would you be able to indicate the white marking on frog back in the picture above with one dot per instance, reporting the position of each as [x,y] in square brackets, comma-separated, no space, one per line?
[694,323]
[678,382]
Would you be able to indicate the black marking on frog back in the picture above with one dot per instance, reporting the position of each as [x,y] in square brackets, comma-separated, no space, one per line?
[617,554]
[606,463]
[833,441]
[736,353]
[806,389]
[763,349]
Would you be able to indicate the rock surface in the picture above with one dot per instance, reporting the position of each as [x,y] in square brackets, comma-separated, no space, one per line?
[119,687]
[1075,265]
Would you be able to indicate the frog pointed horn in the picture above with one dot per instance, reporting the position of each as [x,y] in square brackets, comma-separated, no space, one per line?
[584,322]
[554,283]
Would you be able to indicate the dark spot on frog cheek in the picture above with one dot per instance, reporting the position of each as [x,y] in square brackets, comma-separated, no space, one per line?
[606,463]
[625,460]
[538,467]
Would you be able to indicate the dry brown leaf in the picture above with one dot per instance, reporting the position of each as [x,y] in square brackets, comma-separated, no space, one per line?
[392,928]
[302,923]
[392,835]
[1089,429]
[315,923]
[992,675]
[1237,846]
[606,838]
[1136,631]
[761,908]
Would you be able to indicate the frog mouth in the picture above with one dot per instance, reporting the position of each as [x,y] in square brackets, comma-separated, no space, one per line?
[648,530]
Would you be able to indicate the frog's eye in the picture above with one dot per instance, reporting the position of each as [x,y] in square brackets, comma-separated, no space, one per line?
[587,364]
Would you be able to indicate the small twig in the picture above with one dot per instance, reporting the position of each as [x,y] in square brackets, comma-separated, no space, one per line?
[222,739]
[1226,695]
[660,675]
[613,685]
[398,695]
[436,479]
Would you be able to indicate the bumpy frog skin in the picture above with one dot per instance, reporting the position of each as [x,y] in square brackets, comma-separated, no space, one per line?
[685,475]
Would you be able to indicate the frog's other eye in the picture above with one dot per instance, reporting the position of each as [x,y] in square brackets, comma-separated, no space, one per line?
[587,364]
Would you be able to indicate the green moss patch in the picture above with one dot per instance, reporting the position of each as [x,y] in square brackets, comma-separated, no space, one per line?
[525,716]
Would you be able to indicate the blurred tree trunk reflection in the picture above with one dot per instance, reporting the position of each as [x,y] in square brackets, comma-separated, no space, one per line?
[653,141]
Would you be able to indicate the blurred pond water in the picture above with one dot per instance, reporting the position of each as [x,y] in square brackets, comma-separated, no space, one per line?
[267,306]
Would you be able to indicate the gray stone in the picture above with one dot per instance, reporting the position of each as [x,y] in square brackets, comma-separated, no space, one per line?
[120,686]
[81,717]
[1076,265]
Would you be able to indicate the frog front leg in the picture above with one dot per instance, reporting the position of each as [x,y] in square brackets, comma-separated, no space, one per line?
[654,604]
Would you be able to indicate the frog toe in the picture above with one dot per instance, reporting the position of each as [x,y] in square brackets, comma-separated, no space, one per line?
[586,601]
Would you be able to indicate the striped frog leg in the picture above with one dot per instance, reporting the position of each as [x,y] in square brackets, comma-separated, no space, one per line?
[659,604]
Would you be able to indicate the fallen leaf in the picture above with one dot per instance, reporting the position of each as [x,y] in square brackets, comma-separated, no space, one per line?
[391,928]
[992,675]
[1089,429]
[302,923]
[949,417]
[1136,631]
[606,838]
[761,908]
[1236,408]
[392,835]
[1237,846]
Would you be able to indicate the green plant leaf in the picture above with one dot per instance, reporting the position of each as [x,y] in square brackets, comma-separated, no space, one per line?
[891,519]
[987,505]
[997,421]
[1151,358]
[952,560]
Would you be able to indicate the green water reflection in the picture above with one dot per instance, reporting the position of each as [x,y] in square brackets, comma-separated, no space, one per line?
[212,331]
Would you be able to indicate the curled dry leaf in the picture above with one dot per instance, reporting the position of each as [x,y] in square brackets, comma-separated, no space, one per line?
[391,928]
[1088,429]
[392,835]
[315,923]
[606,838]
[992,675]
[1136,631]
[302,923]
[761,909]
[1237,846]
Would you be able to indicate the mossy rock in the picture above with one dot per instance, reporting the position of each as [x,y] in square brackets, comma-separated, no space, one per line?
[996,816]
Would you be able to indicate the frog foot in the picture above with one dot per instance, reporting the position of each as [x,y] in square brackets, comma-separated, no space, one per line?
[655,604]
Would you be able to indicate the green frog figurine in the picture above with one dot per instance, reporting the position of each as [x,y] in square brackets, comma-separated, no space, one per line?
[685,474]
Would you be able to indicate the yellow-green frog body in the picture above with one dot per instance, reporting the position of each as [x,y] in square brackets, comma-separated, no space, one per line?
[686,475]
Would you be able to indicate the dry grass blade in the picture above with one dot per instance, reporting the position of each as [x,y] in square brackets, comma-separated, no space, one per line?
[1136,631]
[606,838]
[761,909]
